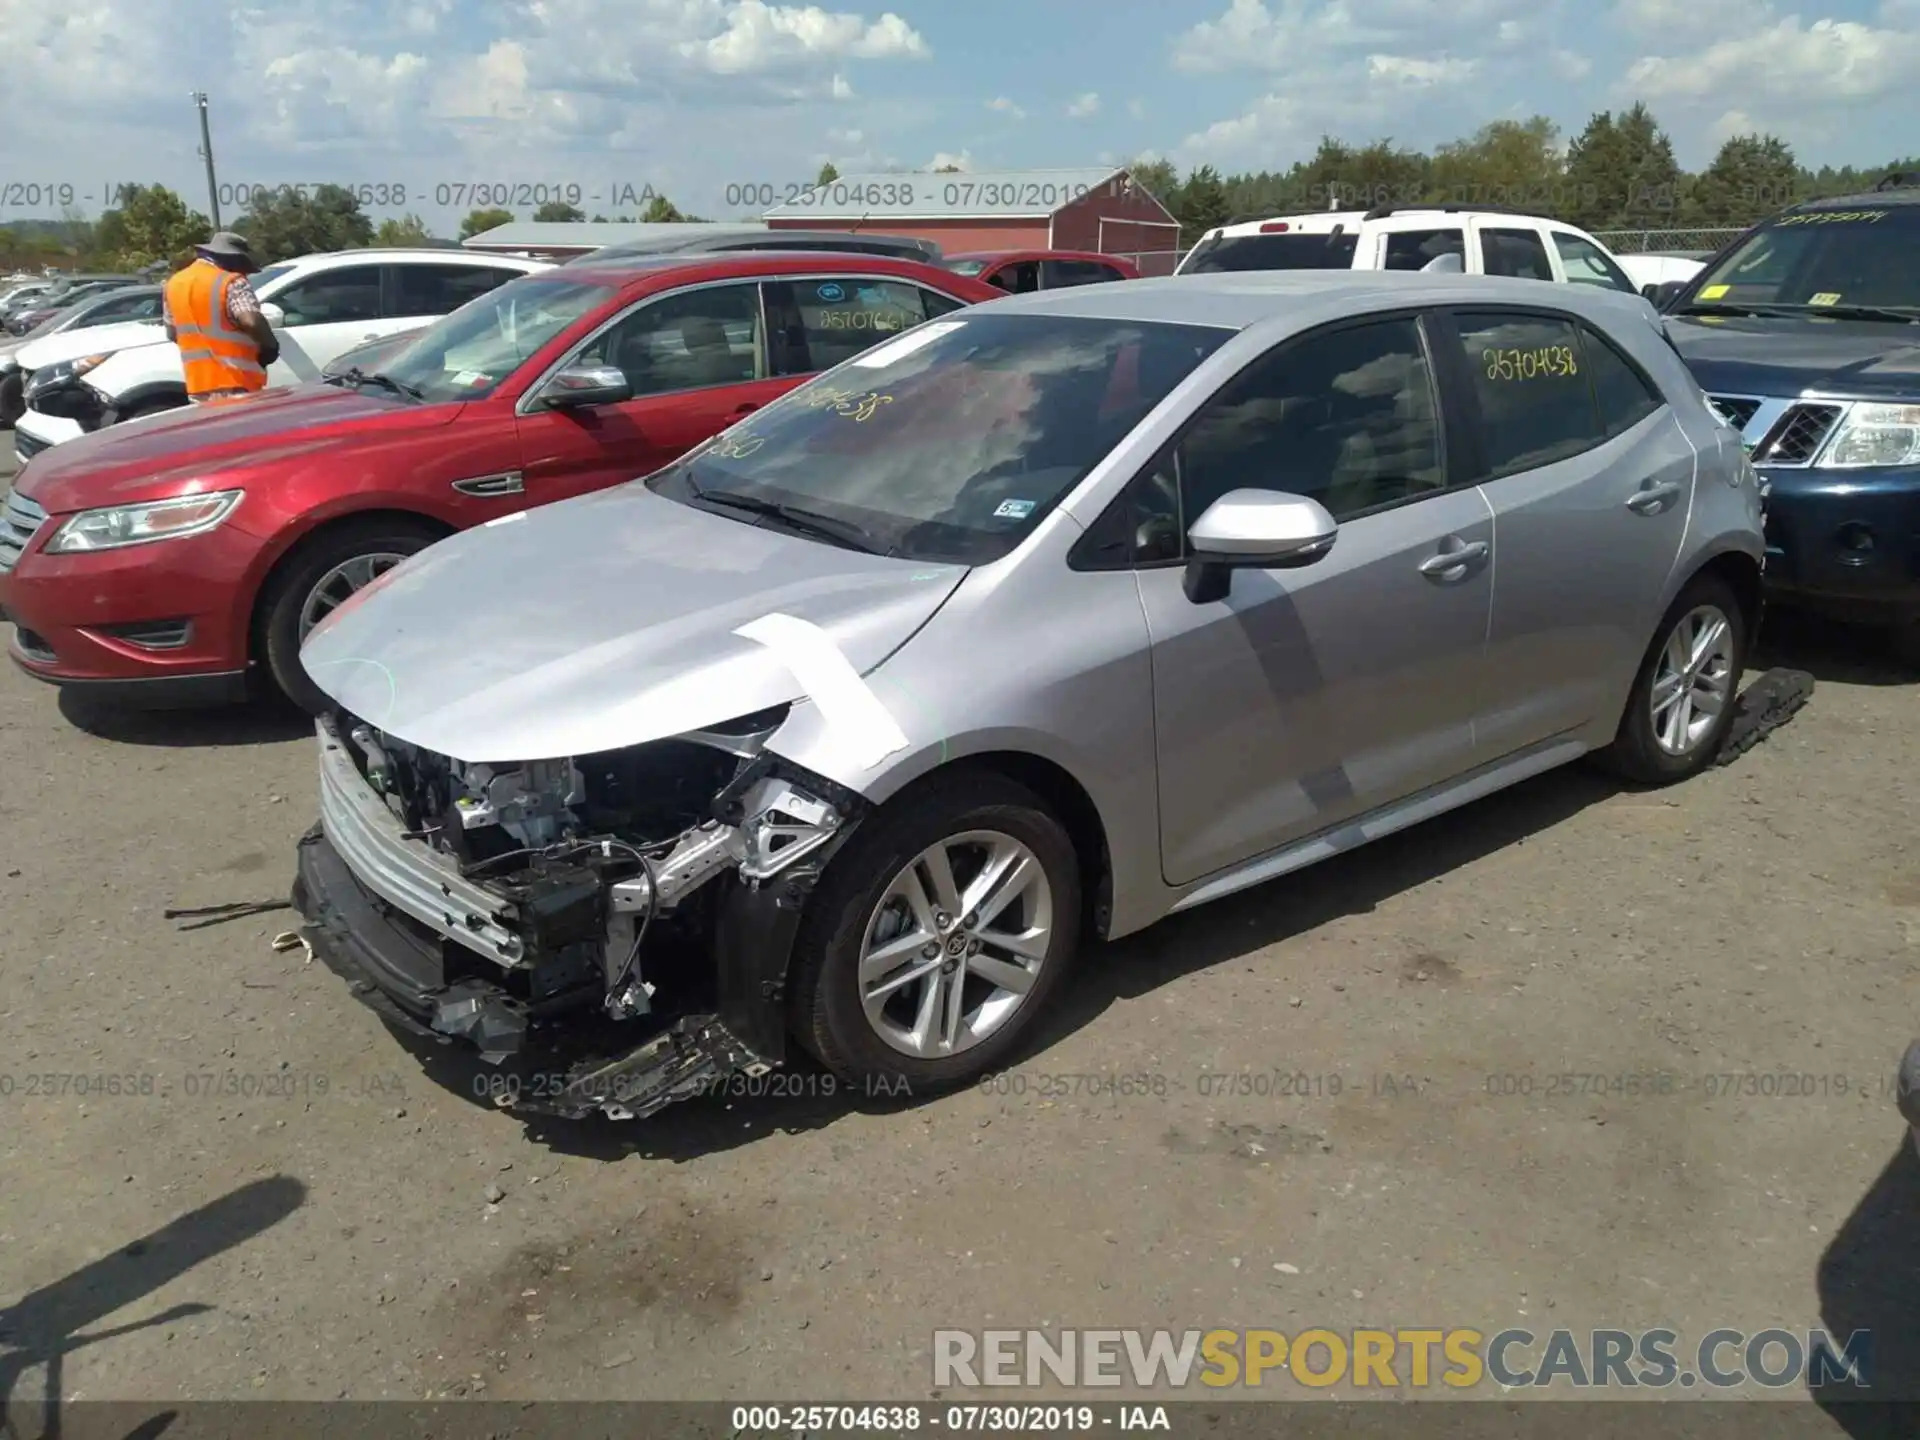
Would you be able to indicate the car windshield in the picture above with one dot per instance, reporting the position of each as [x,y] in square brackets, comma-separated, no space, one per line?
[465,355]
[966,267]
[1820,259]
[949,442]
[1299,251]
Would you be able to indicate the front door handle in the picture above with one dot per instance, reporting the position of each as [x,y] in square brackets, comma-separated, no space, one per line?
[1653,499]
[1449,563]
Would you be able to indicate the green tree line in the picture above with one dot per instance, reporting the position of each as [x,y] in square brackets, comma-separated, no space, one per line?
[153,227]
[1618,173]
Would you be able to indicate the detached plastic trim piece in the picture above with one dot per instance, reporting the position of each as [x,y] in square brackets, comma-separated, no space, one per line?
[1762,708]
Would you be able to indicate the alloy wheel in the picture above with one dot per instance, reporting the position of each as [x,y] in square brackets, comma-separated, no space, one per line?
[955,944]
[1693,683]
[341,581]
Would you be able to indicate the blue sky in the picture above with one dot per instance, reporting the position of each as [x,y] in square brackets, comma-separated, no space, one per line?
[428,99]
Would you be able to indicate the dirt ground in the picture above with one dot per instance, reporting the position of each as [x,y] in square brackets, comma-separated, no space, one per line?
[284,1203]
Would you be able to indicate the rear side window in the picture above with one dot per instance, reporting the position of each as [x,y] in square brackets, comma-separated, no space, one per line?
[815,324]
[936,304]
[1520,253]
[1416,249]
[1294,251]
[1530,377]
[442,289]
[1625,397]
[1057,273]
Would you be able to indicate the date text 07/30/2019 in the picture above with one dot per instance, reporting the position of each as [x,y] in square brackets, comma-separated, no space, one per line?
[920,1417]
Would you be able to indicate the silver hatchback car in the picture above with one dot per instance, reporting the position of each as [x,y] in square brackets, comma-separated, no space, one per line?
[1047,617]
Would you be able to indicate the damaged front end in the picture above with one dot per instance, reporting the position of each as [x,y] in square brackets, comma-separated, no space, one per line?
[629,915]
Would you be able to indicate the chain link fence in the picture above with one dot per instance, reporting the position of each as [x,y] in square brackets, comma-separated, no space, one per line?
[1644,242]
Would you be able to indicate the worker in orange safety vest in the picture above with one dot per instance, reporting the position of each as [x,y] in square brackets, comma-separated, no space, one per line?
[214,317]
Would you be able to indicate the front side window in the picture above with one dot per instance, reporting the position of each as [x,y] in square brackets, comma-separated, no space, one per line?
[1417,249]
[1821,259]
[1520,253]
[466,355]
[1587,264]
[690,341]
[816,324]
[1530,378]
[952,441]
[1346,417]
[333,297]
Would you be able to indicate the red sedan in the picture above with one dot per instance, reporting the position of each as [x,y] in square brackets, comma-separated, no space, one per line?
[1021,271]
[173,560]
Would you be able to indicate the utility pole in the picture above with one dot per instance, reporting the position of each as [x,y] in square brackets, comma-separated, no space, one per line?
[206,153]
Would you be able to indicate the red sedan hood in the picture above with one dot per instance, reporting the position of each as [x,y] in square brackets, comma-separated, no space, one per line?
[154,458]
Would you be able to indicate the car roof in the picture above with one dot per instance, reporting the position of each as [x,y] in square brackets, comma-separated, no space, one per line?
[1241,300]
[1875,199]
[719,264]
[1037,253]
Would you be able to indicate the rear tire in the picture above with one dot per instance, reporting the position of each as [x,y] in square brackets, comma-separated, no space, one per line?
[1698,654]
[858,910]
[328,567]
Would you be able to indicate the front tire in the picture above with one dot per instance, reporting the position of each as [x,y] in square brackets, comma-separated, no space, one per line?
[937,937]
[328,569]
[1683,698]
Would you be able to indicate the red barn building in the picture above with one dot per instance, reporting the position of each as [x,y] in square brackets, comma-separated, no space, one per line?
[1102,210]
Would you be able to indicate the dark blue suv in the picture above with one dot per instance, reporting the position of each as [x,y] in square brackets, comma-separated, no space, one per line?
[1806,334]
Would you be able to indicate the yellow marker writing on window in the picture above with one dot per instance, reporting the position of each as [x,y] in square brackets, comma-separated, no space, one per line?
[1714,292]
[1825,297]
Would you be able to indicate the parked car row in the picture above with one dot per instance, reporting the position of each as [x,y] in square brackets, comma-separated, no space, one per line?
[117,304]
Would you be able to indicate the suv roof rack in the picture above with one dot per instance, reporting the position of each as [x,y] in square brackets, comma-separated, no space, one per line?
[1900,180]
[1381,212]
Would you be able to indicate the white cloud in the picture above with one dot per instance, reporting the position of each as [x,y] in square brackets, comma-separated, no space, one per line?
[1571,65]
[1006,107]
[1137,110]
[757,36]
[1510,32]
[1289,37]
[1732,123]
[942,161]
[1408,70]
[842,88]
[1084,105]
[1830,60]
[1665,19]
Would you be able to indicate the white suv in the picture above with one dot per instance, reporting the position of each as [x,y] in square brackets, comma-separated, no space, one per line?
[1447,238]
[319,306]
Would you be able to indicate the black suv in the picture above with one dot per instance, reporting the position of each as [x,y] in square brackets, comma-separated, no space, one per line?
[1806,334]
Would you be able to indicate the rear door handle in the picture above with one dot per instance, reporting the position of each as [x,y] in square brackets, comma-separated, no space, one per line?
[1448,563]
[1653,499]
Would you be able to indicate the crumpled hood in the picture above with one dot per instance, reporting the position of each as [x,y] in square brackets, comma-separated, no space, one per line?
[1754,355]
[602,622]
[159,456]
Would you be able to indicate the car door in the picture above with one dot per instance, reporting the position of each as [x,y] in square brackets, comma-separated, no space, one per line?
[1512,247]
[696,361]
[1590,480]
[322,314]
[1309,697]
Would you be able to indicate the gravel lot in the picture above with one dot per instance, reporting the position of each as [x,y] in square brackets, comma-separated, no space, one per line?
[339,1240]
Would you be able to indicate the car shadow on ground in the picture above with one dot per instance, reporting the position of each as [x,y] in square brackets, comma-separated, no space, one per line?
[801,1097]
[259,722]
[42,1328]
[1829,650]
[1869,1280]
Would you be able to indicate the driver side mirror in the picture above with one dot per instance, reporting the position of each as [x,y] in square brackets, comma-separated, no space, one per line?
[580,386]
[272,314]
[1665,293]
[1254,530]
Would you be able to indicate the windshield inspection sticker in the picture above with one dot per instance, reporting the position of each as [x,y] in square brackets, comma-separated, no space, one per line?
[1013,510]
[917,338]
[1714,292]
[1825,297]
[470,377]
[831,292]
